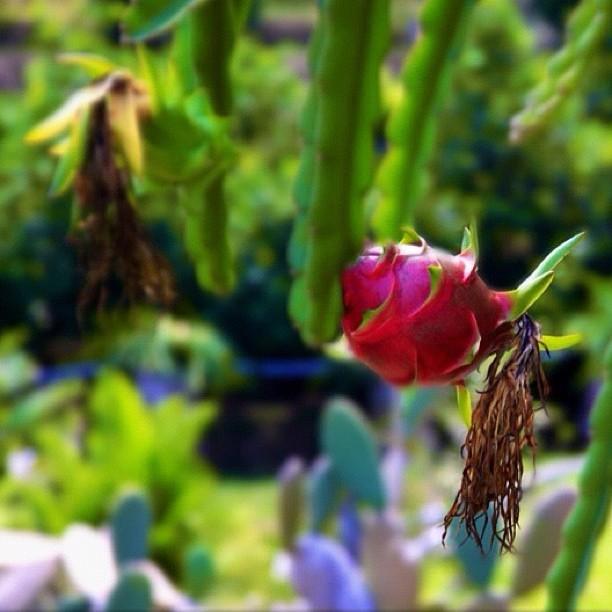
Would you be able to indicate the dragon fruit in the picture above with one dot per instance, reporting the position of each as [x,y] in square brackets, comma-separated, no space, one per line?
[416,314]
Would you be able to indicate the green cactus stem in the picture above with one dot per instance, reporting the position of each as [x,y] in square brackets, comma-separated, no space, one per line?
[130,524]
[132,593]
[353,39]
[411,130]
[217,24]
[587,28]
[588,517]
[198,570]
[350,444]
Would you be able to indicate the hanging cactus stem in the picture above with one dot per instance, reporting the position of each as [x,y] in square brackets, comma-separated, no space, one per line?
[588,516]
[338,160]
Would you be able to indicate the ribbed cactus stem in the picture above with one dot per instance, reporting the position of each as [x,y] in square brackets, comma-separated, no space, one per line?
[354,36]
[587,29]
[411,130]
[218,24]
[587,519]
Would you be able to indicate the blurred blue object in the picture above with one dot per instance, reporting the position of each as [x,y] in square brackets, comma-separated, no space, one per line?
[283,368]
[155,387]
[48,375]
[324,574]
[349,525]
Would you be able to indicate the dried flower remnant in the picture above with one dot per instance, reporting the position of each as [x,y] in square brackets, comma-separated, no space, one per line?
[110,237]
[502,425]
[416,314]
[102,151]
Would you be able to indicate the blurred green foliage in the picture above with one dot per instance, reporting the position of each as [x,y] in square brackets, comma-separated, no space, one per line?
[87,451]
[140,341]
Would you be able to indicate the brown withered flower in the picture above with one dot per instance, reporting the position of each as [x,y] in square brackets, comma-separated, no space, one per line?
[109,235]
[102,151]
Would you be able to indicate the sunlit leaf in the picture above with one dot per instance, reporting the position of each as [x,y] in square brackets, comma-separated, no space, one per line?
[529,292]
[555,257]
[96,66]
[464,403]
[151,17]
[71,160]
[149,73]
[470,238]
[124,119]
[60,147]
[61,119]
[559,343]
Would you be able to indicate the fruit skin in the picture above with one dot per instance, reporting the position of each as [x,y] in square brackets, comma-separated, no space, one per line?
[416,314]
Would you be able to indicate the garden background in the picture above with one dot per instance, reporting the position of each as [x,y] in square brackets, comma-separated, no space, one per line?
[192,436]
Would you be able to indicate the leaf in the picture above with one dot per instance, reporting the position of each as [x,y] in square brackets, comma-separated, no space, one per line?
[128,426]
[61,147]
[39,404]
[410,236]
[560,343]
[183,55]
[149,71]
[71,160]
[470,238]
[124,120]
[464,403]
[555,257]
[149,18]
[348,442]
[530,290]
[61,119]
[528,293]
[96,66]
[435,278]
